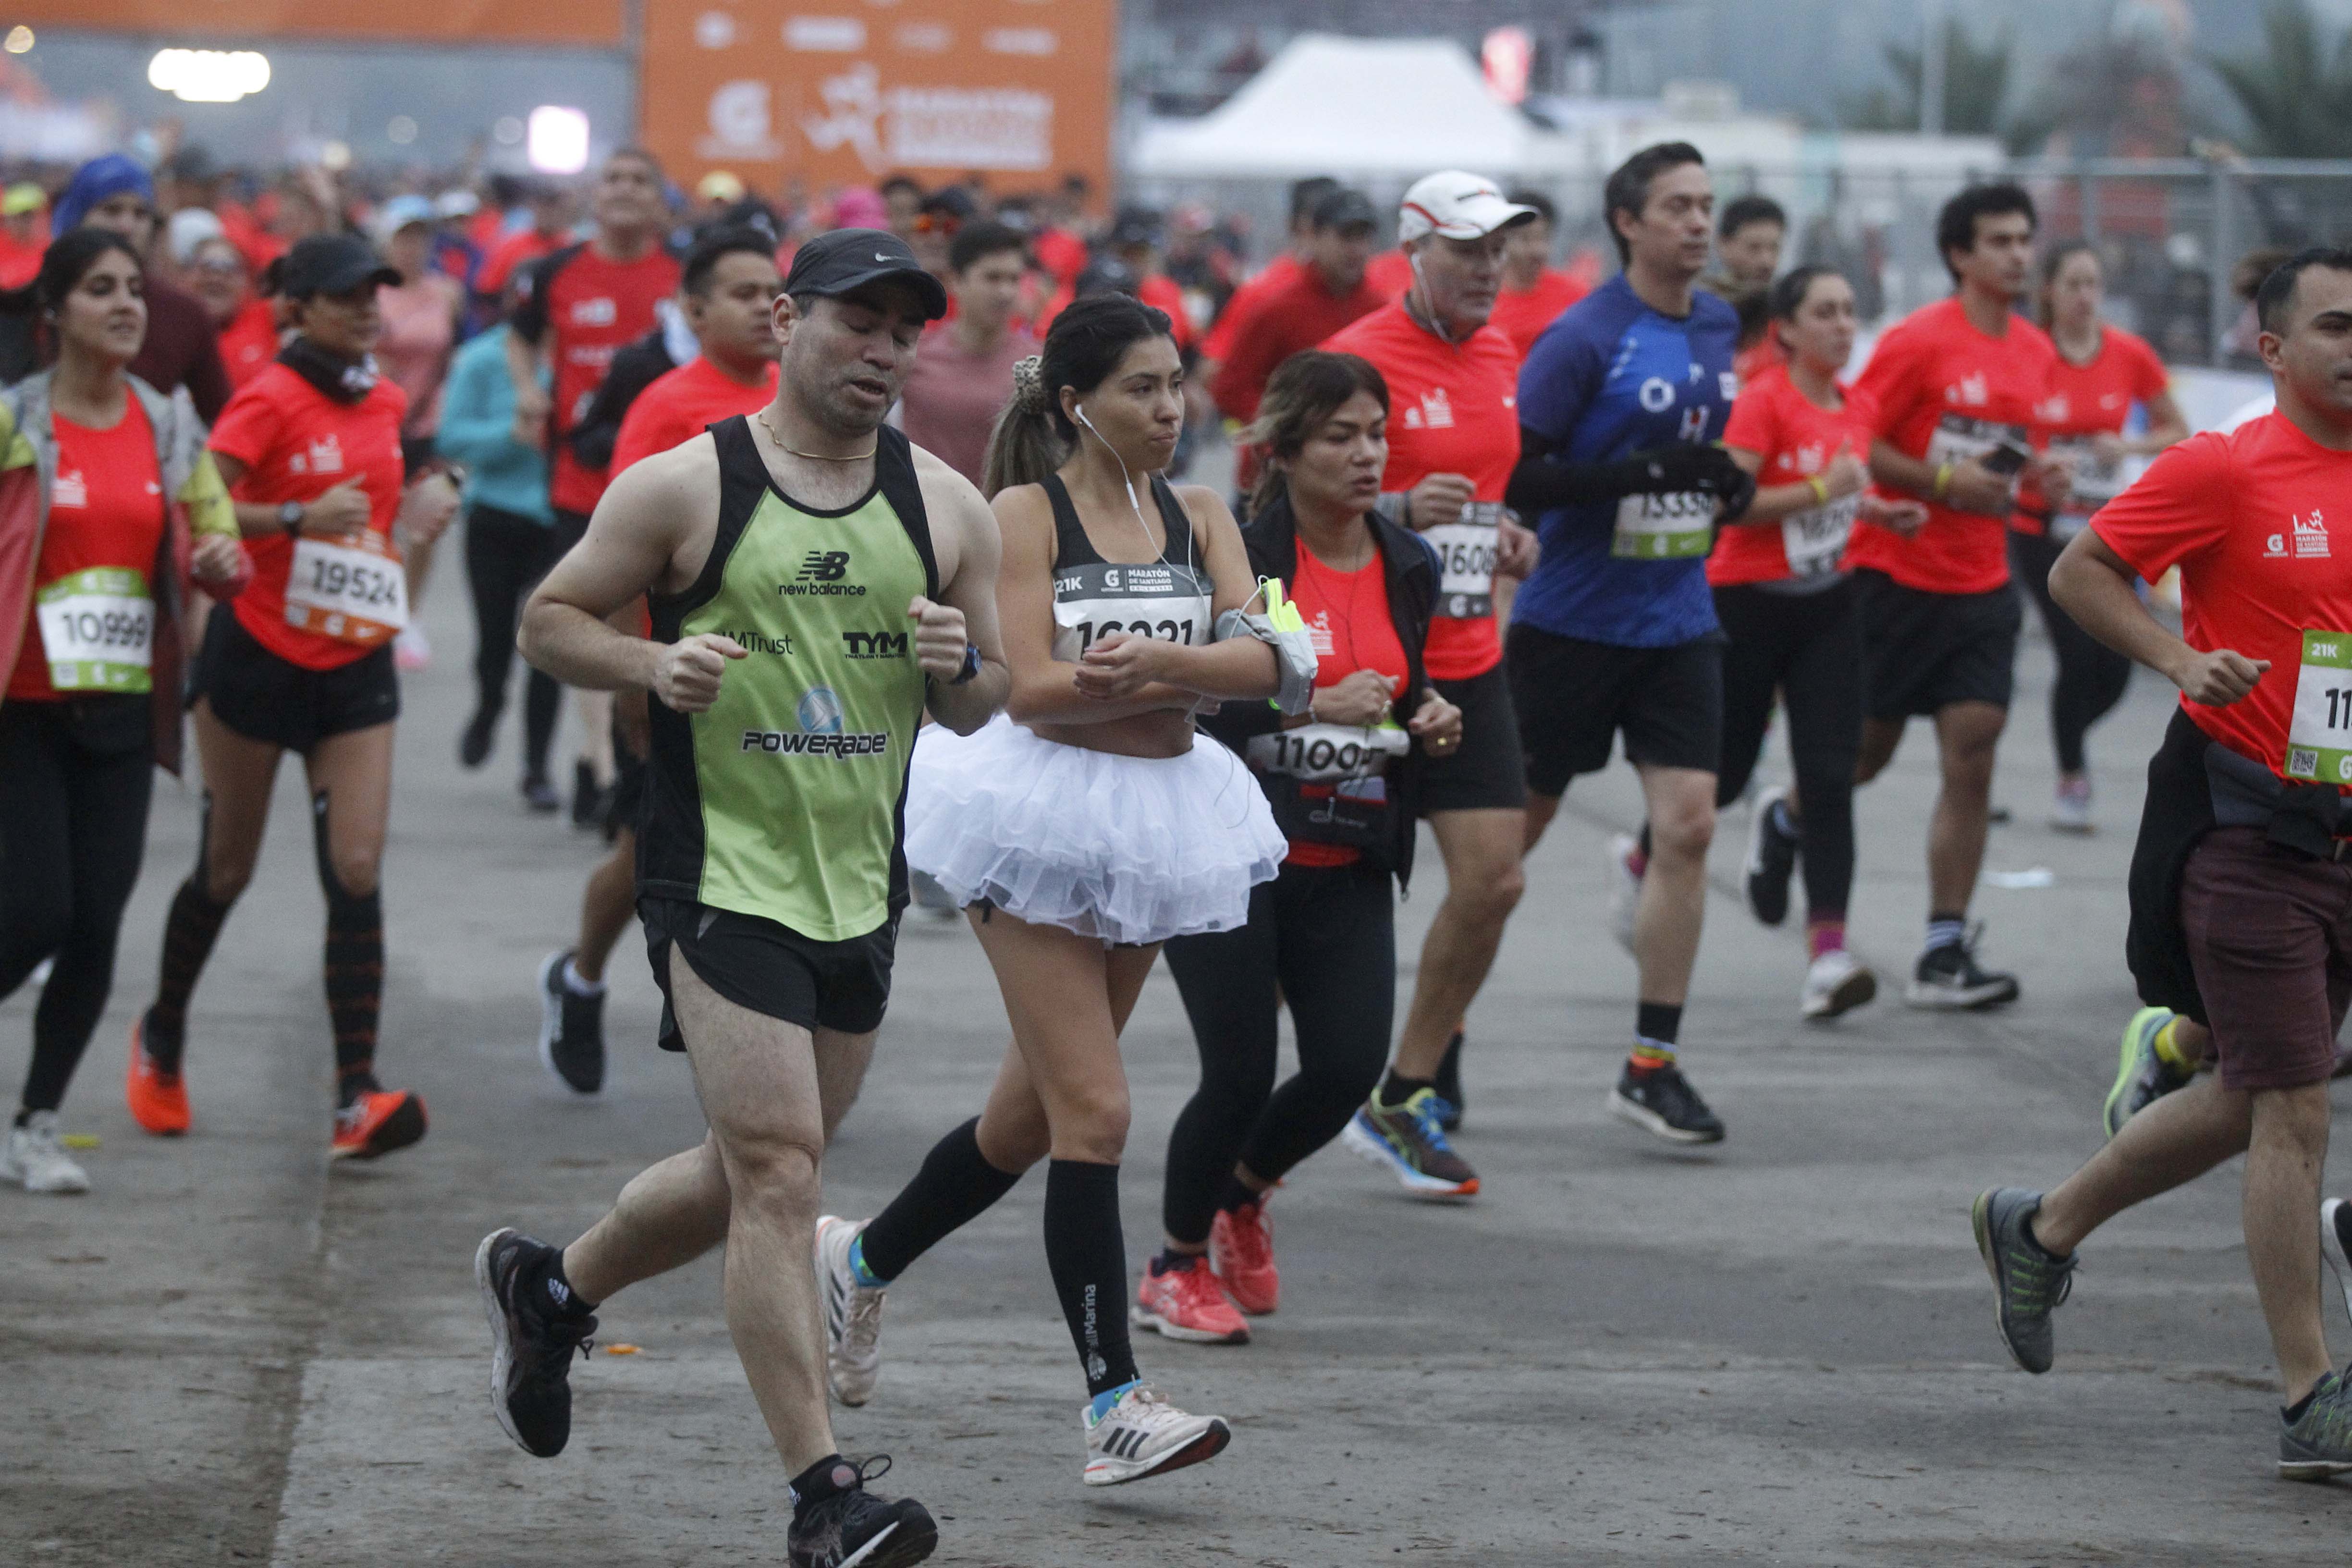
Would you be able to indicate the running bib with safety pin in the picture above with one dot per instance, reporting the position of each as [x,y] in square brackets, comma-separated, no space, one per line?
[98,630]
[1815,539]
[1328,753]
[2095,485]
[1465,556]
[355,592]
[1663,528]
[2319,738]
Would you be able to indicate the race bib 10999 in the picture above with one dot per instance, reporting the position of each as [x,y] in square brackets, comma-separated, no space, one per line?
[98,630]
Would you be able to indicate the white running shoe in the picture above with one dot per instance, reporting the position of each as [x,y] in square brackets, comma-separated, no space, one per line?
[2070,809]
[34,1159]
[1624,888]
[1837,983]
[1143,1435]
[853,1313]
[410,649]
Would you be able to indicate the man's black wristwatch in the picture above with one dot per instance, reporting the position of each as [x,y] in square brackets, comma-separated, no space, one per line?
[971,665]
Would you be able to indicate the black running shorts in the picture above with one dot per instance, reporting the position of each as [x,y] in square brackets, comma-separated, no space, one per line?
[1923,652]
[1482,772]
[771,969]
[1574,697]
[264,697]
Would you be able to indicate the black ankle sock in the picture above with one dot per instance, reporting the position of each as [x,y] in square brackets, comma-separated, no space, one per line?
[1169,1260]
[2291,1414]
[1087,1251]
[1659,1022]
[545,1287]
[955,1185]
[1236,1194]
[820,1480]
[1396,1089]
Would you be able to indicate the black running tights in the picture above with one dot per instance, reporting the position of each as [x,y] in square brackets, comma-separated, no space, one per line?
[74,781]
[2092,675]
[506,555]
[1324,940]
[1808,648]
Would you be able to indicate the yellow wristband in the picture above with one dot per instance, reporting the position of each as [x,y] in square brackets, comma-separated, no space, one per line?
[1820,489]
[1943,481]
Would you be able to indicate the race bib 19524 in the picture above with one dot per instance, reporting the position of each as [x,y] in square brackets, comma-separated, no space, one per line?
[353,592]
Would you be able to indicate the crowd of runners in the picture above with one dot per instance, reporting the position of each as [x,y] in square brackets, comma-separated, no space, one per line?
[861,556]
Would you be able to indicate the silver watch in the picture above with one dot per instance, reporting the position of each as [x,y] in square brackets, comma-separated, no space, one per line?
[290,515]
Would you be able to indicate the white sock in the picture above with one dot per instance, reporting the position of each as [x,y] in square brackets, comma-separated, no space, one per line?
[576,984]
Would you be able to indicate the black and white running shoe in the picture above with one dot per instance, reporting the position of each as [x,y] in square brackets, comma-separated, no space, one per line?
[570,1028]
[1772,859]
[852,1528]
[530,1349]
[1662,1104]
[1949,980]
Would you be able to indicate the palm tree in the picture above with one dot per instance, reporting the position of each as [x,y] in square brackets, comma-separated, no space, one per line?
[1976,82]
[2297,94]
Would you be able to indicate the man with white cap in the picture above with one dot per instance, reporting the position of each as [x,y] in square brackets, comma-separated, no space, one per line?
[1454,441]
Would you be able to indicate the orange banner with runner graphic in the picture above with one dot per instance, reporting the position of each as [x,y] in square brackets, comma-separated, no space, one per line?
[832,93]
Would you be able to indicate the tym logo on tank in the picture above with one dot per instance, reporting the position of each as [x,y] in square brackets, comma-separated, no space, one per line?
[875,644]
[821,575]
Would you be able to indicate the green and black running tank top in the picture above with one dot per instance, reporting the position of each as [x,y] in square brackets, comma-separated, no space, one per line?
[786,799]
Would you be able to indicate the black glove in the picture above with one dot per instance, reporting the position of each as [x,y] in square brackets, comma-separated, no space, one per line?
[1538,485]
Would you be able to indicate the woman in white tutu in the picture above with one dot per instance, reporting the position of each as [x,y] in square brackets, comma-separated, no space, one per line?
[1079,831]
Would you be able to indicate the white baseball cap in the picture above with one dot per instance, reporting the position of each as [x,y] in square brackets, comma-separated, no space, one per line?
[1453,205]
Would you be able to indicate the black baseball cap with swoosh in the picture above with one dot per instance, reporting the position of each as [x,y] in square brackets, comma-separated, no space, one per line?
[844,260]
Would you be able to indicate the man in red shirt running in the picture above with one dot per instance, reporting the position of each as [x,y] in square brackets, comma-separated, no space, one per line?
[1453,440]
[1278,272]
[1534,291]
[581,304]
[2246,811]
[1955,386]
[1265,326]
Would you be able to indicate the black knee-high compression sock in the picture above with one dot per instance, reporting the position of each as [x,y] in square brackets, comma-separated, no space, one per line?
[355,967]
[955,1185]
[1087,1252]
[189,932]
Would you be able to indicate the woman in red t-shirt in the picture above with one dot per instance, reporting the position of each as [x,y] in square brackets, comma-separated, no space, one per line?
[2103,373]
[301,661]
[1343,779]
[100,480]
[1781,595]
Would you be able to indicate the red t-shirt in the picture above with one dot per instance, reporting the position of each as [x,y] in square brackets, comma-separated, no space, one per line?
[1389,274]
[249,342]
[1278,273]
[1943,389]
[1752,361]
[2089,400]
[1062,253]
[1796,438]
[1347,614]
[593,306]
[503,256]
[1522,314]
[2245,515]
[1267,326]
[1453,409]
[297,444]
[106,510]
[677,404]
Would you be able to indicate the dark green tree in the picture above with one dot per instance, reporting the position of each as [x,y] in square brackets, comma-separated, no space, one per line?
[1976,84]
[2298,93]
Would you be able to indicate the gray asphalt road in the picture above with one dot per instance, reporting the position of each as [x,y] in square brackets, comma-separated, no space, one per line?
[1780,1352]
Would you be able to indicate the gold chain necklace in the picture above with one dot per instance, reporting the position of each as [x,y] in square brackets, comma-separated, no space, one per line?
[813,457]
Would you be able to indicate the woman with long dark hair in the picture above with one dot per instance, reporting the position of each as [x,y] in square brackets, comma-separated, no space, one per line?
[103,481]
[1079,831]
[301,661]
[1343,779]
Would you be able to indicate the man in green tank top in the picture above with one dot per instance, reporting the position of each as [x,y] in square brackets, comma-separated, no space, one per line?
[816,586]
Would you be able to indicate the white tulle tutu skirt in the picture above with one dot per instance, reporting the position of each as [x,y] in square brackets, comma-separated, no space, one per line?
[1122,849]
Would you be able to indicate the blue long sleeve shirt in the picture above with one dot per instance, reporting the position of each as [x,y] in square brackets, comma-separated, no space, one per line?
[477,430]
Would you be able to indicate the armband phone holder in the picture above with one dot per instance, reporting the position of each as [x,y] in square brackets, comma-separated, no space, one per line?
[1281,629]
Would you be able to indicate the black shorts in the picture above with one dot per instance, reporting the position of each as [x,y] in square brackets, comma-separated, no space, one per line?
[264,697]
[1483,773]
[1921,652]
[1574,695]
[570,529]
[772,969]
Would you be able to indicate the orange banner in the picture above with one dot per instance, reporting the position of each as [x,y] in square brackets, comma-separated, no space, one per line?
[595,23]
[1018,91]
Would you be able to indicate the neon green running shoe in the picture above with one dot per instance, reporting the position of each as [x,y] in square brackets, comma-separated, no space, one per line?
[2142,1077]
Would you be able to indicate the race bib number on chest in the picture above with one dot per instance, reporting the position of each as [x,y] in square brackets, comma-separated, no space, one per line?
[355,592]
[1663,528]
[1328,753]
[1815,538]
[98,630]
[2319,738]
[1959,439]
[1465,555]
[1150,600]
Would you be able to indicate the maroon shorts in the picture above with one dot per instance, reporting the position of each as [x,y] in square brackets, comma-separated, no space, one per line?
[2270,935]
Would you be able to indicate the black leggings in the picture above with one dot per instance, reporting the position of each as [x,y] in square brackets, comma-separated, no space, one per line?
[506,555]
[2090,675]
[1808,647]
[1324,940]
[75,780]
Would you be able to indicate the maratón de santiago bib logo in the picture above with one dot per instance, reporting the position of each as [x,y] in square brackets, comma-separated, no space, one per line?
[822,734]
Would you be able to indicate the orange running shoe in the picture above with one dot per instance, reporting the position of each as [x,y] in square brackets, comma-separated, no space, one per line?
[377,1123]
[1241,1255]
[158,1099]
[1186,1304]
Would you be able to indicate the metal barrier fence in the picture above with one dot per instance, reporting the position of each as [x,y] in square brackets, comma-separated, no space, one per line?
[2171,231]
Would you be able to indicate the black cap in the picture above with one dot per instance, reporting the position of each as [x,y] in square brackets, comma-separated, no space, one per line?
[327,264]
[1346,208]
[844,260]
[192,164]
[1103,275]
[1135,225]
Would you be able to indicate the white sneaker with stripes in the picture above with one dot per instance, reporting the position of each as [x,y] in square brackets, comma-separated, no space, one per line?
[1142,1435]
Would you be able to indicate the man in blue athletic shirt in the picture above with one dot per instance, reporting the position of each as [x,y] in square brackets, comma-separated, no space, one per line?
[1621,402]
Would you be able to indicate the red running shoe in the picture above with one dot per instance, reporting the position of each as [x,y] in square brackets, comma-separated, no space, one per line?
[1241,1255]
[158,1099]
[377,1123]
[1186,1304]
